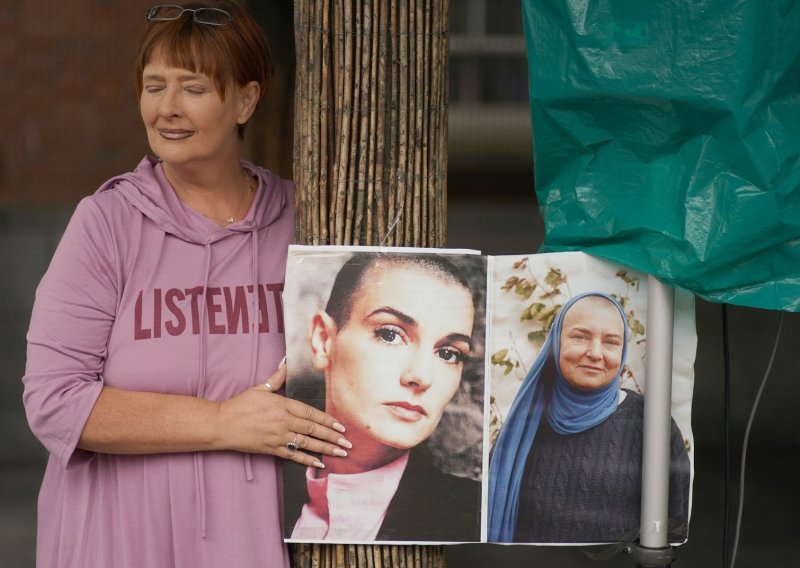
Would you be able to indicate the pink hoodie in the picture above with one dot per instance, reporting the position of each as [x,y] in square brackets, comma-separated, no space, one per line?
[145,294]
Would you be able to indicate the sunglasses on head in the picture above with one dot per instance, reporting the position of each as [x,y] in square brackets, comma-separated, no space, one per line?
[208,16]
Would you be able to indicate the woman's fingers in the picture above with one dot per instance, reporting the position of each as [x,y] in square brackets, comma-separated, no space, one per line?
[306,444]
[316,431]
[259,421]
[277,378]
[316,438]
[305,459]
[312,417]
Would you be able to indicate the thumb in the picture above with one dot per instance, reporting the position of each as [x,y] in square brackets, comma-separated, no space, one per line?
[277,378]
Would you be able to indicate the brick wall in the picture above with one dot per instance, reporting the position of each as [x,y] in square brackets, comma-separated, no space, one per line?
[68,110]
[68,115]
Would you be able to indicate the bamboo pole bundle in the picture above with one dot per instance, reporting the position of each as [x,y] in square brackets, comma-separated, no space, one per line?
[301,80]
[371,121]
[361,114]
[354,61]
[327,131]
[370,157]
[380,122]
[402,120]
[441,153]
[313,122]
[393,115]
[415,76]
[345,83]
[426,99]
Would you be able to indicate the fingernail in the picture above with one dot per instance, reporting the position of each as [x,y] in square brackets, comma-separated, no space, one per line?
[282,363]
[345,443]
[339,452]
[319,464]
[338,427]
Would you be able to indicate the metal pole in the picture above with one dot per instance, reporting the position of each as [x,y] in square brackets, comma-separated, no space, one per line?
[654,549]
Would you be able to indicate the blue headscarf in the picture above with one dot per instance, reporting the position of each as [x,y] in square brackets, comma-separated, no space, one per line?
[568,409]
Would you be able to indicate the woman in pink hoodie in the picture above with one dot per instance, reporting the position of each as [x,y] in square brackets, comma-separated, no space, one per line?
[158,328]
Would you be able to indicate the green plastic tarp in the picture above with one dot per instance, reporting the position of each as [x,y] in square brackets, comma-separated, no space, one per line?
[667,138]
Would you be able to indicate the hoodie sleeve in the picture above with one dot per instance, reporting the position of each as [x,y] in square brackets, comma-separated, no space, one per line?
[72,316]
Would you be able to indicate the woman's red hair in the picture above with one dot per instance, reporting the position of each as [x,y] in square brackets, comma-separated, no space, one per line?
[233,54]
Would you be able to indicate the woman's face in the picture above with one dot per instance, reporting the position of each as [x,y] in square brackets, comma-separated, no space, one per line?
[397,361]
[185,117]
[592,337]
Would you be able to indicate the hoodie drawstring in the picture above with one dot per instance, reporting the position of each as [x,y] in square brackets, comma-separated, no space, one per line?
[254,347]
[199,469]
[248,462]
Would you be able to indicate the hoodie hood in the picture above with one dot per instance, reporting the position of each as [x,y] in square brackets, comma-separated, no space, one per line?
[148,190]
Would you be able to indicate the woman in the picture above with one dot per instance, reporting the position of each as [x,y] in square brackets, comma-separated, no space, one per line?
[157,328]
[391,343]
[567,463]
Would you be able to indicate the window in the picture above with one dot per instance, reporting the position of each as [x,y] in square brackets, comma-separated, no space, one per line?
[489,118]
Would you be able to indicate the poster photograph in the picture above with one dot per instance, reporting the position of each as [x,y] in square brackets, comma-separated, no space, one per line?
[487,398]
[567,373]
[392,346]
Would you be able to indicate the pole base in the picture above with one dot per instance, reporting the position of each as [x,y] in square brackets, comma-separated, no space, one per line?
[651,557]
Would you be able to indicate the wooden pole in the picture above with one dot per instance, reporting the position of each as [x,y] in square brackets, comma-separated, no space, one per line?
[370,158]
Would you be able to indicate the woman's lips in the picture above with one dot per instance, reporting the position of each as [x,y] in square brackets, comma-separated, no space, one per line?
[174,134]
[406,411]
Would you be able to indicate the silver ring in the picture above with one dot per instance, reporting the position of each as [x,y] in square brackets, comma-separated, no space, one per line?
[268,386]
[292,446]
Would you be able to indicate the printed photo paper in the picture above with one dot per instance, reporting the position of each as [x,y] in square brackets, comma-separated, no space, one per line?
[488,398]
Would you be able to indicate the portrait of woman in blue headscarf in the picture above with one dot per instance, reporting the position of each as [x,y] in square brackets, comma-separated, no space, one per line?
[566,467]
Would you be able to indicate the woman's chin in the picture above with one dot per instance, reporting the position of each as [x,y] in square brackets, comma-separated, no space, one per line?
[404,443]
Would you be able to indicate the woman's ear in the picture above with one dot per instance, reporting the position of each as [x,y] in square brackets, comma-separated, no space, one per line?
[323,330]
[248,98]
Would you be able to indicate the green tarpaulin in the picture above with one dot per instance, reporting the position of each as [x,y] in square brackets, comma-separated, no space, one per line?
[667,138]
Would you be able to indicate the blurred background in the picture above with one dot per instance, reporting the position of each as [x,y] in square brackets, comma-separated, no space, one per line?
[69,120]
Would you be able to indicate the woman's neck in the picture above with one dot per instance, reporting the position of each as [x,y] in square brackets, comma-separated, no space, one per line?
[220,193]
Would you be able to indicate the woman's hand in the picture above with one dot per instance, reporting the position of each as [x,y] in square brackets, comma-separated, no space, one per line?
[259,421]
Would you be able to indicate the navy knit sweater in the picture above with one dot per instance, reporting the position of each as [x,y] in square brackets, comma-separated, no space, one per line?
[585,487]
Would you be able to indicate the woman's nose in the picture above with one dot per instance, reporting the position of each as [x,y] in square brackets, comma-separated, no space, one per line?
[593,350]
[168,104]
[417,373]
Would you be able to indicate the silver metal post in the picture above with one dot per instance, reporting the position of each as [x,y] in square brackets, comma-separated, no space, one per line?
[658,396]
